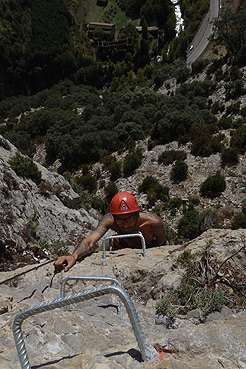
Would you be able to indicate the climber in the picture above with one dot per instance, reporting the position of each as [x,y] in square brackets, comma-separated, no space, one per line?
[124,217]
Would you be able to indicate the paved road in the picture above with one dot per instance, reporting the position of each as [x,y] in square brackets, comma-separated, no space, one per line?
[200,40]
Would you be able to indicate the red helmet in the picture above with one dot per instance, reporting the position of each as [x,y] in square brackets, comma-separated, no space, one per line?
[123,203]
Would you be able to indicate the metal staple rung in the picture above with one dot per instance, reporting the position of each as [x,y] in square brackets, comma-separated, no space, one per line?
[63,301]
[112,280]
[139,234]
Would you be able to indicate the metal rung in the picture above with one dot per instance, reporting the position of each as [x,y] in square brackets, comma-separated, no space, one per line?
[63,301]
[139,234]
[112,280]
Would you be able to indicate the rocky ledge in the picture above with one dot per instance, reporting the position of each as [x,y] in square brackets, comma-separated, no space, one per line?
[90,334]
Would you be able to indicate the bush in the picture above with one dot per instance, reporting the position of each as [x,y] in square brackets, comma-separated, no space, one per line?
[21,140]
[99,204]
[110,190]
[188,225]
[107,161]
[154,190]
[115,170]
[151,196]
[132,162]
[225,122]
[151,144]
[88,182]
[229,156]
[179,171]
[174,204]
[204,144]
[25,167]
[57,248]
[213,185]
[238,140]
[164,307]
[169,156]
[239,221]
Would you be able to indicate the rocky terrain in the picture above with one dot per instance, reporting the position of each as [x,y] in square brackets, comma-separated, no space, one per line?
[36,219]
[90,334]
[30,216]
[199,168]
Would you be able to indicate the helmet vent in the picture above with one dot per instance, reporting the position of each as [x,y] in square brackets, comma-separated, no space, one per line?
[123,206]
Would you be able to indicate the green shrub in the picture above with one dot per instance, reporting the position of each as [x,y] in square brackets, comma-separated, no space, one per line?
[110,190]
[239,221]
[57,248]
[188,225]
[238,140]
[205,144]
[154,190]
[175,203]
[131,162]
[25,167]
[45,187]
[243,112]
[164,307]
[89,183]
[169,156]
[229,156]
[85,182]
[213,185]
[151,144]
[99,204]
[238,123]
[194,199]
[198,66]
[199,298]
[179,171]
[151,196]
[185,258]
[107,161]
[233,108]
[21,140]
[115,170]
[225,122]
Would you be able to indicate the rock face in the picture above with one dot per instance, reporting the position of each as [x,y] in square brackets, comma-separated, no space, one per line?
[90,334]
[28,214]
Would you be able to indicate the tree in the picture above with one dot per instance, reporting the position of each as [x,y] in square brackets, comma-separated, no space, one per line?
[239,221]
[213,185]
[179,171]
[229,156]
[231,29]
[115,170]
[238,140]
[98,34]
[132,162]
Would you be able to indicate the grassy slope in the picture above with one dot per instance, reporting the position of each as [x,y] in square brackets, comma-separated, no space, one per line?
[88,11]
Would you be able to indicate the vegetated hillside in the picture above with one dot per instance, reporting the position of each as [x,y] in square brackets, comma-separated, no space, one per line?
[192,175]
[161,105]
[43,42]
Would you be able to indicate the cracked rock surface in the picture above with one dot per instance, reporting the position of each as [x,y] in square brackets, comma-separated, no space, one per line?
[90,334]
